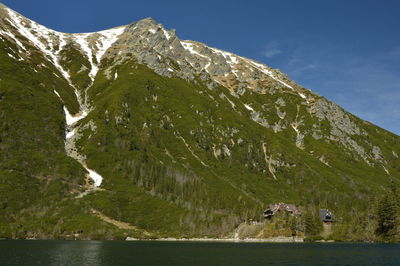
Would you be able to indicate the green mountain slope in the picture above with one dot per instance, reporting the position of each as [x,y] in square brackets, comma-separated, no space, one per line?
[171,137]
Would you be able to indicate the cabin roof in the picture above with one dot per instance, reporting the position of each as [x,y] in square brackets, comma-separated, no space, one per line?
[326,215]
[274,208]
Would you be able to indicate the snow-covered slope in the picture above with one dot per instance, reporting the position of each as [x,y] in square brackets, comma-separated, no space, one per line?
[51,43]
[94,50]
[94,45]
[221,67]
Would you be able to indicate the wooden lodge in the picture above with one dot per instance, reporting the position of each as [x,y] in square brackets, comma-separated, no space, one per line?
[281,207]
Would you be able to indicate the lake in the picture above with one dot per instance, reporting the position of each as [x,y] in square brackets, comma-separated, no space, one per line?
[25,252]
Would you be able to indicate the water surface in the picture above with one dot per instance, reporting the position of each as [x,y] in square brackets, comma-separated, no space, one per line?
[194,253]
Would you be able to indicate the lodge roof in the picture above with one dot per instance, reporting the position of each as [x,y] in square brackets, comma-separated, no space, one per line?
[274,208]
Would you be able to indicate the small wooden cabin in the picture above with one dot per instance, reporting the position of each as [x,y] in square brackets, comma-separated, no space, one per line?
[326,216]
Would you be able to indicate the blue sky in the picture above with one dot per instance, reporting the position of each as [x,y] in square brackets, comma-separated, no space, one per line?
[347,51]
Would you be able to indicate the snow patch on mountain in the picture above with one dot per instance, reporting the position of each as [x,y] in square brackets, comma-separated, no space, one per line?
[94,176]
[189,47]
[70,134]
[106,40]
[57,94]
[167,35]
[248,107]
[9,34]
[84,44]
[268,72]
[35,33]
[48,40]
[231,58]
[99,47]
[72,119]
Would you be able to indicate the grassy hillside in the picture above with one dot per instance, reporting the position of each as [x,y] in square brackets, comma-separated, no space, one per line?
[178,157]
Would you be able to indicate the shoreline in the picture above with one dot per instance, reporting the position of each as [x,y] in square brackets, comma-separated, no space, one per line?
[231,240]
[220,240]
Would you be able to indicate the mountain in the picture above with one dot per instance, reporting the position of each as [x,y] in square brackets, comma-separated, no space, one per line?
[133,132]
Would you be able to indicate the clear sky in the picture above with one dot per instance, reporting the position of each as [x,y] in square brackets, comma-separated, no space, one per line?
[347,51]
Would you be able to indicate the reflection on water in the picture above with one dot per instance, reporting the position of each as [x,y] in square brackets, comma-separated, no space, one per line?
[192,253]
[78,253]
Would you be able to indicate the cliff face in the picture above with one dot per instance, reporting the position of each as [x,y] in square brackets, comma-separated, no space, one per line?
[171,136]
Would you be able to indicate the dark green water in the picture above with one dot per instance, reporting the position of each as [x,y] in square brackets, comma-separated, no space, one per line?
[190,253]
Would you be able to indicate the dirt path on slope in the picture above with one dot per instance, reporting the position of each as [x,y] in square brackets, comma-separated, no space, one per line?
[119,224]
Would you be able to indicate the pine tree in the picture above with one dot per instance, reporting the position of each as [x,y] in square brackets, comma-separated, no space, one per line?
[312,225]
[293,226]
[387,217]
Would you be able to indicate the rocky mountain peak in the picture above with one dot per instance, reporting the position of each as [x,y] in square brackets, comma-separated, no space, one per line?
[148,27]
[145,23]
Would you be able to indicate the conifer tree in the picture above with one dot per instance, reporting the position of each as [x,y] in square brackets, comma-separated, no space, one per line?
[387,215]
[312,225]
